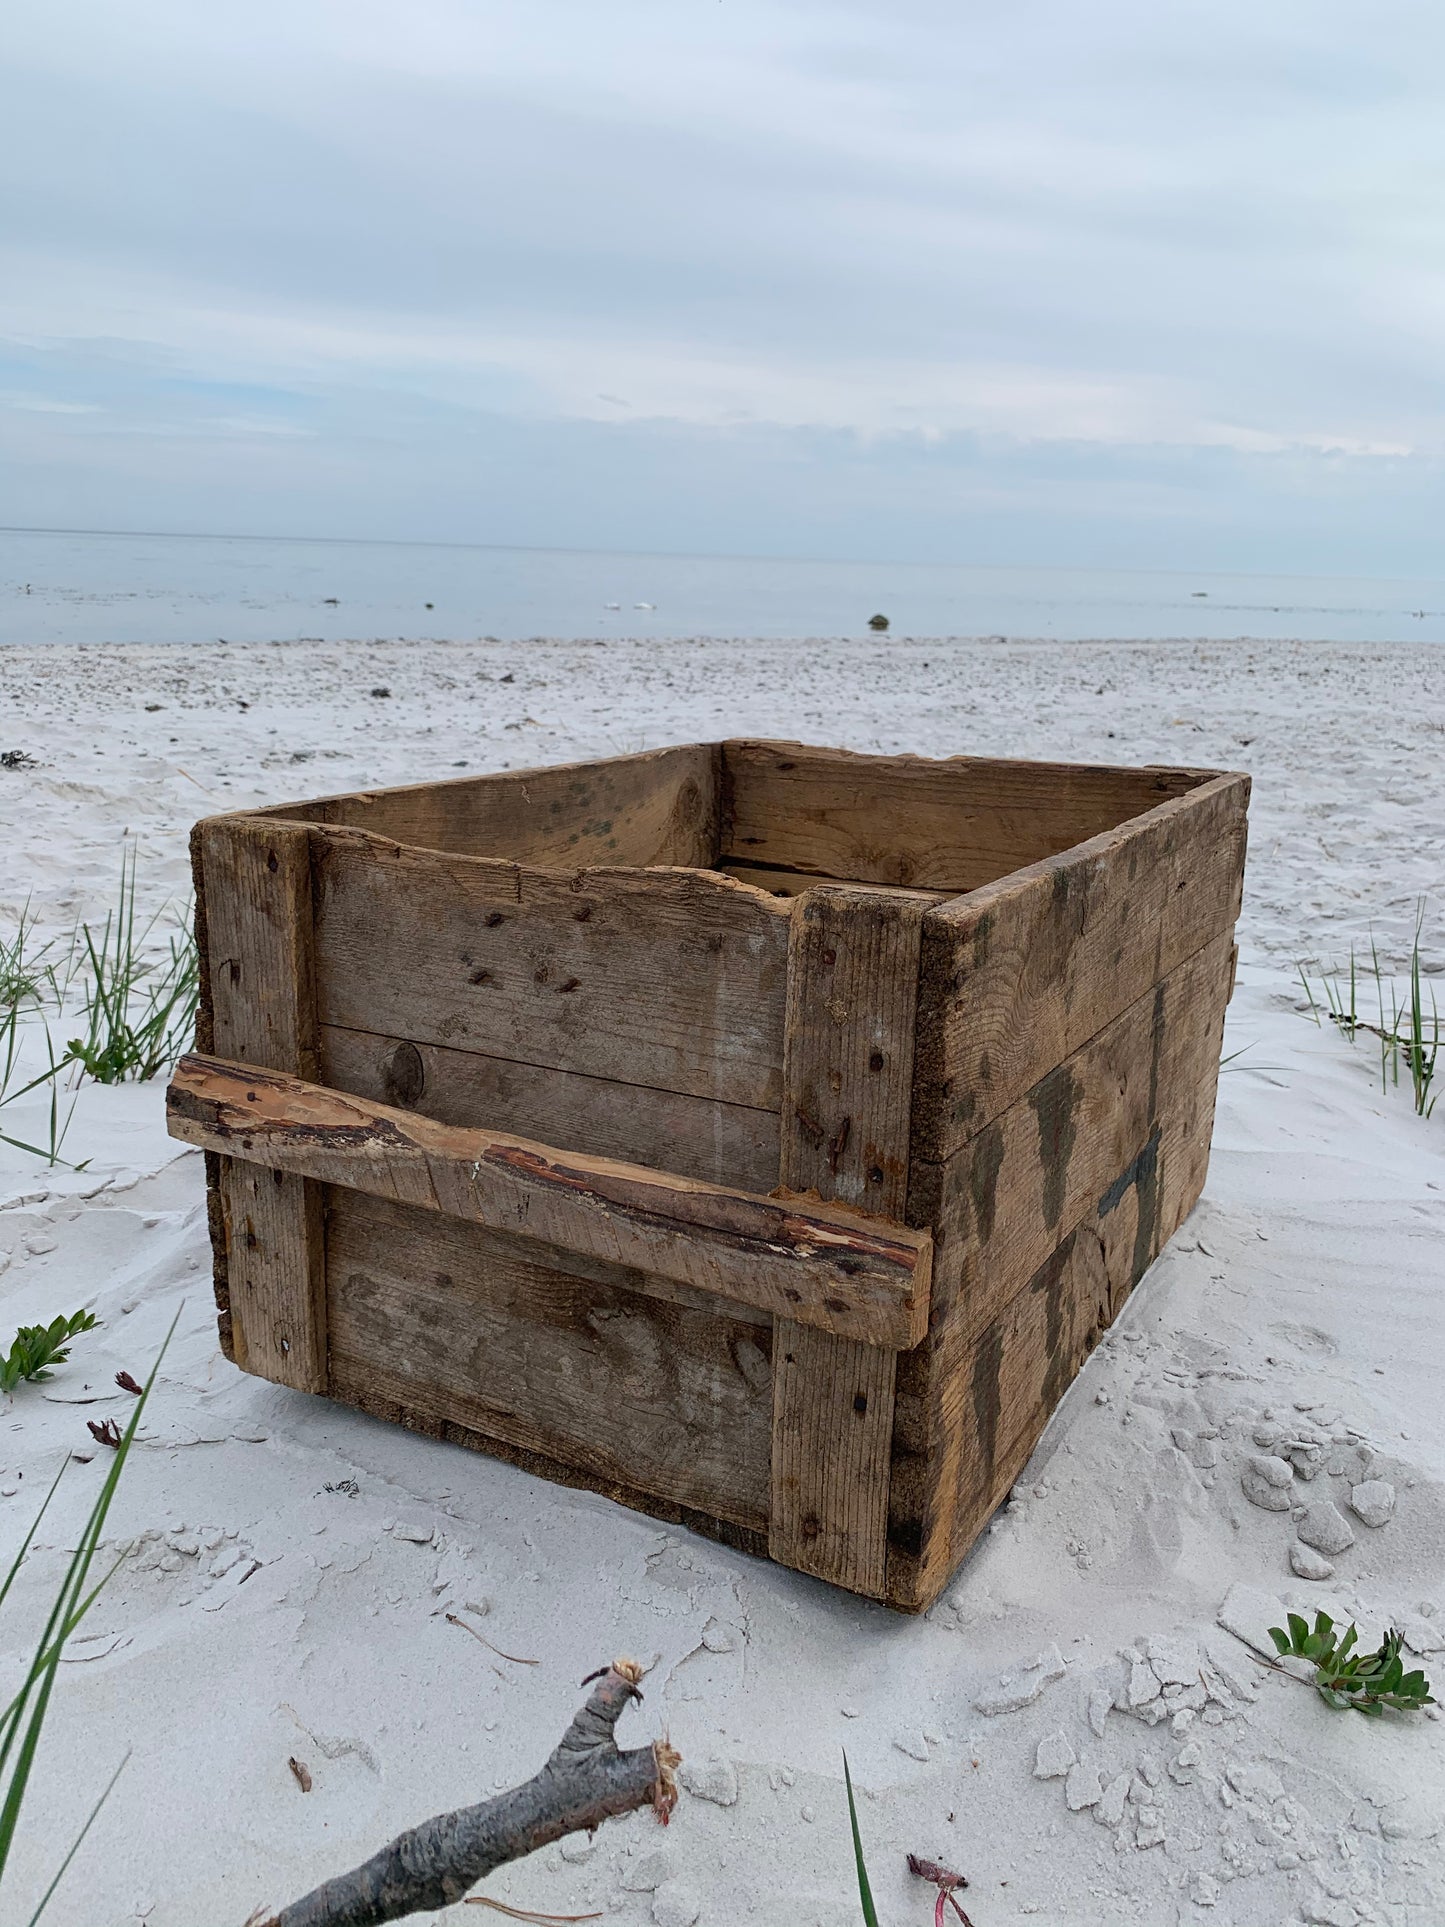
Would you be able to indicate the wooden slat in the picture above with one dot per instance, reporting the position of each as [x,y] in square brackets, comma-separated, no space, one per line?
[1113,1146]
[673,979]
[1018,975]
[820,1265]
[694,1136]
[660,807]
[256,878]
[792,883]
[852,991]
[848,1061]
[460,1326]
[832,1433]
[950,825]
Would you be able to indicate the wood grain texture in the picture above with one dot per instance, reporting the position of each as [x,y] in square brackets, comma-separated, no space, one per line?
[832,1431]
[256,878]
[848,1057]
[952,824]
[1019,974]
[1102,1122]
[1017,1369]
[695,1136]
[820,1265]
[459,1326]
[660,807]
[852,998]
[672,979]
[1106,1156]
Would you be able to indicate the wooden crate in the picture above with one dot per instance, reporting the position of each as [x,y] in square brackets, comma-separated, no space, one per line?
[758,1134]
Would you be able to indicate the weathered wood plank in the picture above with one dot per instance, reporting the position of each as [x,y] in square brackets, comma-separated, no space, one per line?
[1018,975]
[673,979]
[660,807]
[848,1058]
[694,1136]
[951,824]
[852,993]
[818,1264]
[832,1433]
[793,883]
[457,1326]
[1114,1145]
[256,878]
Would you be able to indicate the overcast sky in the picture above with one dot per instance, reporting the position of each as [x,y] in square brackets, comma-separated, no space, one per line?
[1155,285]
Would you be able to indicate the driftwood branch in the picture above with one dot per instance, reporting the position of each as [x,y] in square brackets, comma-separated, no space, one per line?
[586,1781]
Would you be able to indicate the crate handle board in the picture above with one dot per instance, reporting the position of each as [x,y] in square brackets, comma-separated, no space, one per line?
[819,1265]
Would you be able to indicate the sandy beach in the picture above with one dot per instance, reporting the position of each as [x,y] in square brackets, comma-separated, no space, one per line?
[1081,1725]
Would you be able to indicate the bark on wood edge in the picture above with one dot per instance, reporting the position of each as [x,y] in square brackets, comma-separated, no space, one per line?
[585,1781]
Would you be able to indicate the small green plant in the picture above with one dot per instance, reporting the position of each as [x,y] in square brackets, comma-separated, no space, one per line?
[1351,1680]
[140,1013]
[1406,1032]
[38,1347]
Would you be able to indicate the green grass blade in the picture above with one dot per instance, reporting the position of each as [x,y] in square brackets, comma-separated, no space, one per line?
[70,1605]
[865,1892]
[35,1526]
[75,1846]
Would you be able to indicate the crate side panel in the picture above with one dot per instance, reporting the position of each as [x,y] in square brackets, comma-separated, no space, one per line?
[1102,1122]
[1017,976]
[629,1389]
[660,807]
[697,1137]
[951,824]
[1118,1140]
[672,979]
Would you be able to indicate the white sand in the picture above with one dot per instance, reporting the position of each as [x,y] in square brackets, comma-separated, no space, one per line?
[1306,1294]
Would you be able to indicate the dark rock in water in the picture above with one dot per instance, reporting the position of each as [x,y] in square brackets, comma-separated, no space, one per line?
[17,759]
[878,623]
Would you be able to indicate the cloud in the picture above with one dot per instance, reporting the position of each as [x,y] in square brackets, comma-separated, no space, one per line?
[998,243]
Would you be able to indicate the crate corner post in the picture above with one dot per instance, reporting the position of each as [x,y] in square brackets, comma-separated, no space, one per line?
[253,898]
[853,962]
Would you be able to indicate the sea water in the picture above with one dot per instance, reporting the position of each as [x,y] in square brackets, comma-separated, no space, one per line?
[67,586]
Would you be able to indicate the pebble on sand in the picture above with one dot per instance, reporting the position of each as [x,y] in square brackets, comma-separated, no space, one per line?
[1325,1527]
[1373,1501]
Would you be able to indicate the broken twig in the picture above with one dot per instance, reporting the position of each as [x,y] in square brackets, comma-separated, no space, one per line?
[516,1659]
[522,1913]
[586,1781]
[947,1884]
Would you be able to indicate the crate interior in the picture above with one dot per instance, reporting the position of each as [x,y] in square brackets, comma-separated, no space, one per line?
[779,816]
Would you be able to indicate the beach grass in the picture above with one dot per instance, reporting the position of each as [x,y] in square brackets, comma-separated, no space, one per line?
[140,1012]
[23,1720]
[1366,1001]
